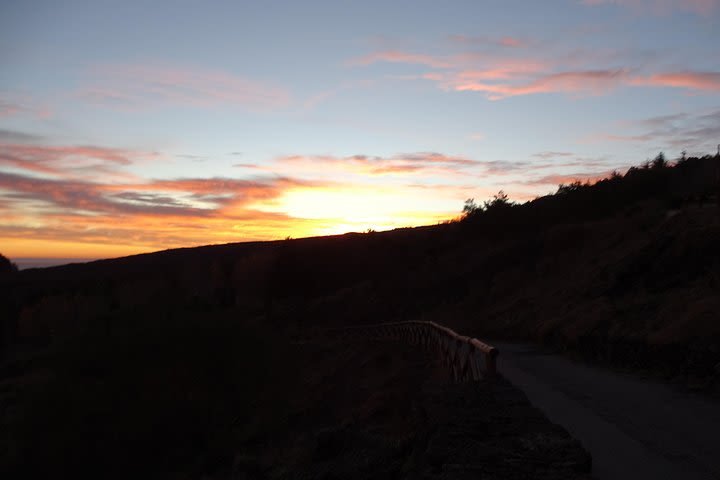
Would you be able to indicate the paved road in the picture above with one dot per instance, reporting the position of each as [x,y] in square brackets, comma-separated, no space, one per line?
[634,429]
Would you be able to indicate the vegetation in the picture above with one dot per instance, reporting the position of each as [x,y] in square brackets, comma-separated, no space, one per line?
[6,266]
[671,186]
[498,203]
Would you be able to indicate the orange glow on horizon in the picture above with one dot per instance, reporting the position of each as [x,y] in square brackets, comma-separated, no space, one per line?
[204,232]
[44,248]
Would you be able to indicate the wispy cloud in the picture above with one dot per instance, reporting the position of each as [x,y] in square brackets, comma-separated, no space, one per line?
[587,82]
[90,202]
[180,212]
[76,197]
[662,7]
[57,194]
[424,166]
[143,86]
[564,161]
[396,56]
[552,154]
[419,163]
[699,131]
[522,71]
[17,104]
[8,109]
[482,40]
[508,67]
[709,81]
[68,161]
[237,190]
[14,136]
[86,194]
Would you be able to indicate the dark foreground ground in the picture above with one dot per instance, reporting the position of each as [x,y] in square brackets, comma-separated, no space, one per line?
[401,417]
[635,428]
[221,403]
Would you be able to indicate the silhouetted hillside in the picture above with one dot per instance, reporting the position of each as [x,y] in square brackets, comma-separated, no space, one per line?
[649,232]
[625,270]
[654,226]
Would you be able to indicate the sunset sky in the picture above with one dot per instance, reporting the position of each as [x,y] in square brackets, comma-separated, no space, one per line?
[130,126]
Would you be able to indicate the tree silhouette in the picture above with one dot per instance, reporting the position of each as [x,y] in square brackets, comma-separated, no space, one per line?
[571,187]
[470,207]
[6,266]
[499,200]
[670,184]
[659,162]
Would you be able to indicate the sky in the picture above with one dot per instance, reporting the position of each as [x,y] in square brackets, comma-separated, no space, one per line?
[129,126]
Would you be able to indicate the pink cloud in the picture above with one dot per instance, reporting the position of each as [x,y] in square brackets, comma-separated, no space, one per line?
[424,164]
[708,81]
[583,82]
[511,42]
[200,197]
[86,212]
[503,69]
[237,189]
[139,86]
[69,160]
[591,81]
[500,77]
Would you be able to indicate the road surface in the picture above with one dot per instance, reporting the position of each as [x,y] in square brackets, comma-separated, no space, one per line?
[634,428]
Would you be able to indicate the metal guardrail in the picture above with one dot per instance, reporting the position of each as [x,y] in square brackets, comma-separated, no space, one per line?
[468,358]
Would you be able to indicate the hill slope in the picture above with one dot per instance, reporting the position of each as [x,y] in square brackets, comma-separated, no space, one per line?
[628,267]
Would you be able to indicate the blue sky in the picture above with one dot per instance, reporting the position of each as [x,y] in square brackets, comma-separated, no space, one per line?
[135,126]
